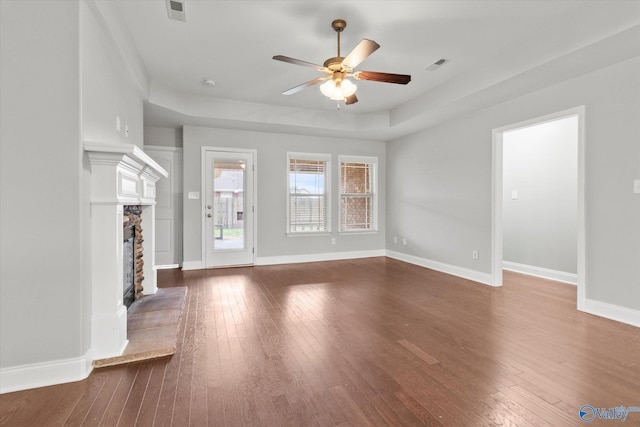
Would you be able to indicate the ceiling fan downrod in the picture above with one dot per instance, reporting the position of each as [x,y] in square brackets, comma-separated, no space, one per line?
[338,26]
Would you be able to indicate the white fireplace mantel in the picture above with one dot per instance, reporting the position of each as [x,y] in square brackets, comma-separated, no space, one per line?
[121,174]
[134,171]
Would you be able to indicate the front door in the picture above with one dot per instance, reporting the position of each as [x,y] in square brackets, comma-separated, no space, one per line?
[228,208]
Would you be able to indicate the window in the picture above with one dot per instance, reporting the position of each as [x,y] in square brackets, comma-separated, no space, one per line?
[308,203]
[358,201]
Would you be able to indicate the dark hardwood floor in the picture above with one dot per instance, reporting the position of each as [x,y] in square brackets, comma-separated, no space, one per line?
[359,342]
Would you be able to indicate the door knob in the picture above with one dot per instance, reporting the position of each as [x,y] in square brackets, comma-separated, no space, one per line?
[208,215]
[209,206]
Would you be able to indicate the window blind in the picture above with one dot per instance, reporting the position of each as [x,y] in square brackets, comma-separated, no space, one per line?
[308,195]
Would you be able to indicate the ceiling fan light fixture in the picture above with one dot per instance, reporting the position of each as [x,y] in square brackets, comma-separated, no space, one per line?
[336,86]
[338,90]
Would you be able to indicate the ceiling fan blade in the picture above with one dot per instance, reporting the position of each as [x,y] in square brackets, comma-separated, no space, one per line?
[374,76]
[304,86]
[298,62]
[351,99]
[365,48]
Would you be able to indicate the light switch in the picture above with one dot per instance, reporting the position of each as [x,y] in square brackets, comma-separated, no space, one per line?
[194,195]
[636,186]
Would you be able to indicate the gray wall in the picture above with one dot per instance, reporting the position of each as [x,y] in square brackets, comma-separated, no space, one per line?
[62,82]
[540,225]
[271,192]
[108,88]
[439,181]
[41,305]
[163,137]
[439,195]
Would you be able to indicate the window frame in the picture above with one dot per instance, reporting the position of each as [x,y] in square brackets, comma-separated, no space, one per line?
[373,162]
[326,158]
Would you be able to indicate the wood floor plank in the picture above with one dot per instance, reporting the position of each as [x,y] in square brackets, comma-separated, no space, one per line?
[98,408]
[426,417]
[118,400]
[182,403]
[25,408]
[148,408]
[425,357]
[86,402]
[358,342]
[134,401]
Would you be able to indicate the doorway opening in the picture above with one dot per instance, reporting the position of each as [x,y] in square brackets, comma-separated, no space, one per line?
[538,204]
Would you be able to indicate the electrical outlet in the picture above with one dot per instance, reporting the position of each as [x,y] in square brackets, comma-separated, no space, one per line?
[475,255]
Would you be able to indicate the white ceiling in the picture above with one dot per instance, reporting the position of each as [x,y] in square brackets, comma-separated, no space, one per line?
[232,42]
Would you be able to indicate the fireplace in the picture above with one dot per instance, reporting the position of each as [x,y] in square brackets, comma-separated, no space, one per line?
[132,254]
[122,196]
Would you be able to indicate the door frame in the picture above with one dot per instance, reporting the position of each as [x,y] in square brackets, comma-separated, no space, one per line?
[203,186]
[496,196]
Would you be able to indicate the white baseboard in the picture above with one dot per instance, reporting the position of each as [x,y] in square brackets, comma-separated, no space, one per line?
[167,266]
[329,256]
[611,311]
[545,273]
[26,377]
[465,273]
[192,265]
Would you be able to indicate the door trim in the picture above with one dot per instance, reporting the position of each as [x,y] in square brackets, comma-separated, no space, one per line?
[203,187]
[496,197]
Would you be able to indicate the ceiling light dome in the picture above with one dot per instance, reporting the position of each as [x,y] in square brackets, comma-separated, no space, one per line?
[338,90]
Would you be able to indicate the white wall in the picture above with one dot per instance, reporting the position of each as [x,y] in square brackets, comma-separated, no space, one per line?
[439,181]
[271,192]
[540,163]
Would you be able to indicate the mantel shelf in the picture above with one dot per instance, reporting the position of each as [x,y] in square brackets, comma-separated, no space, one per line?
[126,150]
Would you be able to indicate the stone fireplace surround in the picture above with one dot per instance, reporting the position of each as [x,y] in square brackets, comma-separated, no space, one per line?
[120,175]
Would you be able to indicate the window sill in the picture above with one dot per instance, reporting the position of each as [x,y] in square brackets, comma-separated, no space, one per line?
[321,233]
[357,233]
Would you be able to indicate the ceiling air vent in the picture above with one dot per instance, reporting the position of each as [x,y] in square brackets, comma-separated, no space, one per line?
[439,63]
[175,8]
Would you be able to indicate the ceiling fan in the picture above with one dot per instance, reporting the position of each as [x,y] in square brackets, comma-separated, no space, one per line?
[337,70]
